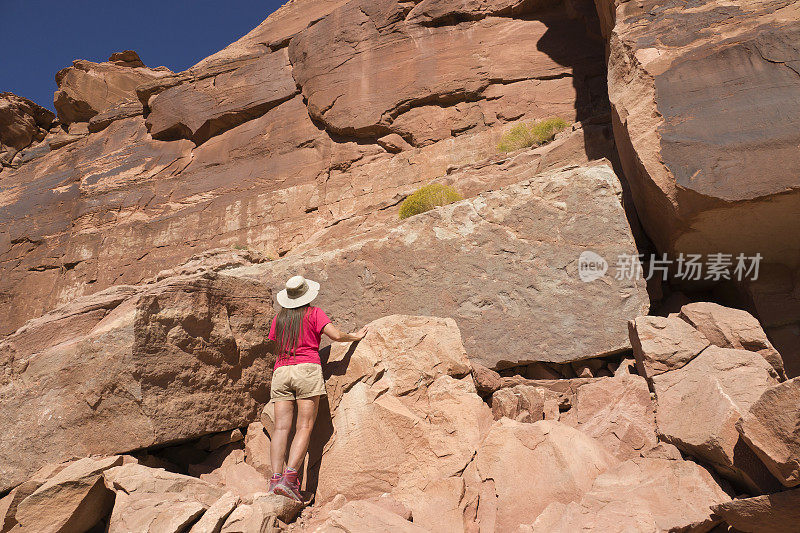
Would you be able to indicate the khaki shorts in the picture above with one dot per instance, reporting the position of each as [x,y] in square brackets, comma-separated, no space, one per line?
[295,382]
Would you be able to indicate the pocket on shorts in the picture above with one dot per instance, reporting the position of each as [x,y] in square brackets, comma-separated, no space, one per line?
[311,382]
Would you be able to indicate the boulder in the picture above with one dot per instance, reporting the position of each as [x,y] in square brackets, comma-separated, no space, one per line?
[640,494]
[10,502]
[701,189]
[86,89]
[525,403]
[732,328]
[154,500]
[518,232]
[661,344]
[265,510]
[257,449]
[393,143]
[198,110]
[22,122]
[526,467]
[228,468]
[123,110]
[772,513]
[364,516]
[699,405]
[214,517]
[74,499]
[403,404]
[772,429]
[144,482]
[133,368]
[618,412]
[153,514]
[486,380]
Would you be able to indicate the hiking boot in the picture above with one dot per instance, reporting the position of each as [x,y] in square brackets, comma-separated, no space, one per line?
[273,482]
[289,486]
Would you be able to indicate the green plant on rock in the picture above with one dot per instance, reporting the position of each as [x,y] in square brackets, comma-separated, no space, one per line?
[428,197]
[532,134]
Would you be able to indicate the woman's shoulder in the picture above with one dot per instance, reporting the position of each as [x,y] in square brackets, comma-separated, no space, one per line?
[317,312]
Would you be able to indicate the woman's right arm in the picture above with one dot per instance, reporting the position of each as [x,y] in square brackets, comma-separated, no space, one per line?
[335,335]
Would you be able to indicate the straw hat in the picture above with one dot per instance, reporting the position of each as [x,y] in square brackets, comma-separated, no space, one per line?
[299,291]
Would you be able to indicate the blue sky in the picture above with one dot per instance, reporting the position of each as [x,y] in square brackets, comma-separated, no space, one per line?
[40,37]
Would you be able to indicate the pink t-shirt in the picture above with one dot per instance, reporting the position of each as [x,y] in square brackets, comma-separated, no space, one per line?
[308,345]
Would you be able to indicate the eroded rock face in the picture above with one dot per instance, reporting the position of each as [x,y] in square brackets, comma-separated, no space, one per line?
[523,240]
[346,90]
[86,88]
[22,122]
[266,176]
[132,368]
[772,429]
[699,405]
[672,71]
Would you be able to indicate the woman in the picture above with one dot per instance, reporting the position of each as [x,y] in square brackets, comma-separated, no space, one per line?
[297,380]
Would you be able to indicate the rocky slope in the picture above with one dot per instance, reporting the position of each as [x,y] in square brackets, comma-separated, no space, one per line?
[145,230]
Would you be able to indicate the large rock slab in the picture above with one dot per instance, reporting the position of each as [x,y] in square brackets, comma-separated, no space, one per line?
[642,494]
[661,344]
[526,467]
[671,73]
[773,513]
[772,429]
[699,405]
[86,88]
[732,328]
[132,368]
[529,231]
[204,108]
[74,499]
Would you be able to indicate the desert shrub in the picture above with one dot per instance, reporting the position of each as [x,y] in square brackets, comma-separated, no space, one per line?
[428,197]
[532,134]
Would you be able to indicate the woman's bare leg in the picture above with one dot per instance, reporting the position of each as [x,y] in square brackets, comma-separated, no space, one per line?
[306,416]
[284,413]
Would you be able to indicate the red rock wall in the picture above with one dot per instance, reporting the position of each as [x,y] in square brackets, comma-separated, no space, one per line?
[274,139]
